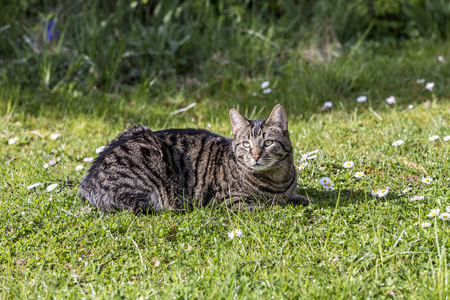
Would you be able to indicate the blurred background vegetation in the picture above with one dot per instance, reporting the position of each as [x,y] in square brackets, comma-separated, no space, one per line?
[108,45]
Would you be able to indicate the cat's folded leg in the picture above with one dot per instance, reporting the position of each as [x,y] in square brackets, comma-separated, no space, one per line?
[237,203]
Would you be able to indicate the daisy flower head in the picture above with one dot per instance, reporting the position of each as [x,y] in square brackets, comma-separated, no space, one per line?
[46,165]
[348,164]
[427,180]
[234,233]
[324,180]
[445,216]
[410,106]
[359,174]
[398,143]
[415,198]
[447,209]
[361,99]
[328,185]
[420,81]
[100,149]
[375,191]
[328,104]
[79,167]
[51,187]
[265,84]
[390,100]
[302,166]
[13,140]
[434,137]
[425,224]
[429,86]
[52,162]
[382,192]
[446,138]
[88,159]
[405,190]
[267,91]
[33,185]
[434,213]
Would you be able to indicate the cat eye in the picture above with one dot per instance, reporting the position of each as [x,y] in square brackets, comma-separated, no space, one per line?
[268,143]
[246,144]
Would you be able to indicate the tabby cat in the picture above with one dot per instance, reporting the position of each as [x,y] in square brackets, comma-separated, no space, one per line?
[176,169]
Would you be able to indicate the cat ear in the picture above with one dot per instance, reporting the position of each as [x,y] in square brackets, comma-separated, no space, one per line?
[238,121]
[278,117]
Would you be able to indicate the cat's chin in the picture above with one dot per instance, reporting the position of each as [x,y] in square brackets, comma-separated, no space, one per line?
[260,167]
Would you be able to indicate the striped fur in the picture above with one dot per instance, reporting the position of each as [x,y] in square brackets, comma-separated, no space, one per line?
[177,169]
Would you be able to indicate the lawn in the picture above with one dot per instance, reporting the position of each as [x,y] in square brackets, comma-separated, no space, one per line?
[349,244]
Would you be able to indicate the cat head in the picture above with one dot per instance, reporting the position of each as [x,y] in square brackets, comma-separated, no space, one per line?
[261,144]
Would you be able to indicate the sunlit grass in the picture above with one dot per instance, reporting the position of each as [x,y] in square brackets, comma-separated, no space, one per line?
[349,243]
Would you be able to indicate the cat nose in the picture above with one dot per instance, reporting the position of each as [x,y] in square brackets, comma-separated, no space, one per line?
[256,157]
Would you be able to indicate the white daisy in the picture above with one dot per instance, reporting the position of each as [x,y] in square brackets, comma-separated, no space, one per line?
[328,104]
[13,140]
[359,174]
[312,157]
[328,185]
[348,164]
[429,86]
[415,198]
[427,180]
[447,209]
[79,167]
[234,233]
[444,216]
[382,192]
[398,143]
[46,166]
[434,137]
[302,166]
[434,212]
[55,136]
[361,99]
[375,191]
[324,180]
[100,149]
[34,185]
[265,85]
[267,91]
[410,106]
[425,224]
[88,159]
[446,138]
[51,187]
[419,81]
[52,162]
[405,190]
[390,100]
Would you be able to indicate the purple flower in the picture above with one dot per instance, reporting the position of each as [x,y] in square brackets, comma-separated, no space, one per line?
[51,33]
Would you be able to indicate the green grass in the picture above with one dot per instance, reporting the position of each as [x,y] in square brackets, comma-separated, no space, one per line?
[348,244]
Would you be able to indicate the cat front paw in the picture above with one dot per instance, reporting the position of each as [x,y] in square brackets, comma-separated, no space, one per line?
[303,200]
